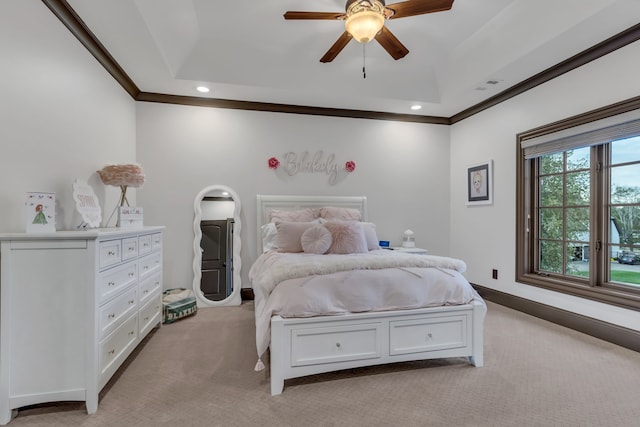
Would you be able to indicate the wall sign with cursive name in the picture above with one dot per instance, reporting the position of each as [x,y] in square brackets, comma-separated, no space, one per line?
[305,162]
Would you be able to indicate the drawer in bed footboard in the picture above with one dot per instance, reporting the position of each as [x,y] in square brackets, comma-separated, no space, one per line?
[313,346]
[430,334]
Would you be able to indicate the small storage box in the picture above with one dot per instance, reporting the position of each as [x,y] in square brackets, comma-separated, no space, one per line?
[178,303]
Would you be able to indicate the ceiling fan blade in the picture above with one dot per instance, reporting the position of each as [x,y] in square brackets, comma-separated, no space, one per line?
[391,44]
[418,7]
[314,15]
[337,47]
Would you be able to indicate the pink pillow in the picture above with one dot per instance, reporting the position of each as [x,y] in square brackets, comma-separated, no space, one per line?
[340,214]
[300,215]
[348,237]
[316,240]
[290,234]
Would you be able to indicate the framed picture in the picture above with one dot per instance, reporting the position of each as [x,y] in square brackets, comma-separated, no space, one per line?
[480,183]
[40,212]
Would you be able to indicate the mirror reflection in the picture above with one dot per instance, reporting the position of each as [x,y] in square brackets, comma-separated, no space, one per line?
[217,247]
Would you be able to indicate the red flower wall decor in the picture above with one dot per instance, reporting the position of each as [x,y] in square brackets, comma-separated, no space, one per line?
[350,166]
[274,163]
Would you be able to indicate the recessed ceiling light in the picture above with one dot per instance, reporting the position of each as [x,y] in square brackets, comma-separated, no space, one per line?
[202,89]
[416,107]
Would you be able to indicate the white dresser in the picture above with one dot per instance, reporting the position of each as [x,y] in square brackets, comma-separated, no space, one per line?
[73,306]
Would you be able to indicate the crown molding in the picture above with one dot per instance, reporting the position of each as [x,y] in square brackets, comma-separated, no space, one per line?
[79,29]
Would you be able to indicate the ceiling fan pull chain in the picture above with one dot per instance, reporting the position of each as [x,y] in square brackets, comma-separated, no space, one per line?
[364,71]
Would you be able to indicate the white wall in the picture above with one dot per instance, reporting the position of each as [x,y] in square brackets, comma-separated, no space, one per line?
[402,168]
[62,116]
[484,236]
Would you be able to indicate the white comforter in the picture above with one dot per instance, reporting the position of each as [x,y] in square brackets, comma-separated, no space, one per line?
[304,285]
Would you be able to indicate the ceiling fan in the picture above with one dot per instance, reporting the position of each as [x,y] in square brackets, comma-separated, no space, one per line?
[364,21]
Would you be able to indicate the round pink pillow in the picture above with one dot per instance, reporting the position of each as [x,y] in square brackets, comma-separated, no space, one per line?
[316,240]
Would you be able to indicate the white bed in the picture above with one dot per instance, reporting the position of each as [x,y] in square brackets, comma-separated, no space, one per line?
[312,344]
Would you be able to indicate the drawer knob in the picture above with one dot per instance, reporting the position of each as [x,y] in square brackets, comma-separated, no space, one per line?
[429,336]
[146,318]
[111,284]
[111,253]
[338,345]
[111,316]
[131,301]
[111,352]
[146,291]
[131,332]
[132,274]
[146,267]
[132,249]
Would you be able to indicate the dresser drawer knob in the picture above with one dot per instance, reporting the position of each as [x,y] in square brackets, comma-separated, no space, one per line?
[429,336]
[111,253]
[111,352]
[111,284]
[131,301]
[146,291]
[132,274]
[131,333]
[338,345]
[111,316]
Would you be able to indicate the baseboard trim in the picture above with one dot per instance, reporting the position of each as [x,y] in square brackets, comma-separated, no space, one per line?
[615,334]
[247,294]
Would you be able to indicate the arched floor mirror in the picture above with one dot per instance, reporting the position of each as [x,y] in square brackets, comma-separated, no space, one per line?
[216,247]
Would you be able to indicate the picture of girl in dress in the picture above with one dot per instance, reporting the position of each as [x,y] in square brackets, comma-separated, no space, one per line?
[40,217]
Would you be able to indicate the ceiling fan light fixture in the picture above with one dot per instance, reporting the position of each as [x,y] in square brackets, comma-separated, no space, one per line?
[365,20]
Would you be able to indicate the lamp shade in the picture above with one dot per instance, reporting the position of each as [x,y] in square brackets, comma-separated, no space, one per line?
[128,175]
[364,25]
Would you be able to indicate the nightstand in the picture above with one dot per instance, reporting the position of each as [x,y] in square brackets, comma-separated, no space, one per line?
[417,251]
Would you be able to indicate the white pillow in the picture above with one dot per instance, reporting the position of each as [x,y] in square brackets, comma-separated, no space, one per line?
[316,240]
[370,235]
[269,237]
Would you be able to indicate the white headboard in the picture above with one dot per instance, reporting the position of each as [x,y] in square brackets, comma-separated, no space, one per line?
[266,203]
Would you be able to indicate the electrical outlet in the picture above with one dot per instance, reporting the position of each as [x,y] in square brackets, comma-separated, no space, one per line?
[494,274]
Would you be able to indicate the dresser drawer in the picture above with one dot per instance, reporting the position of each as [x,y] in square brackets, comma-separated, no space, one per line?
[129,248]
[149,264]
[312,346]
[149,287]
[116,279]
[150,315]
[113,313]
[144,244]
[156,241]
[110,252]
[420,335]
[115,348]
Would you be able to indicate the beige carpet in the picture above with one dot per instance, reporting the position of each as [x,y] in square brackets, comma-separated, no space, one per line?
[199,372]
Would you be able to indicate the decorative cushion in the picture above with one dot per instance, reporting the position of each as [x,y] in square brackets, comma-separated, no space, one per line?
[290,235]
[300,215]
[316,240]
[370,235]
[339,214]
[348,237]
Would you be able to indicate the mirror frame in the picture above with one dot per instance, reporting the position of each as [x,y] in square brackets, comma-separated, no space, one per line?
[234,298]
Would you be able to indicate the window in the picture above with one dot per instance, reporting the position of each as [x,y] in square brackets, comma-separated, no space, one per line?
[578,209]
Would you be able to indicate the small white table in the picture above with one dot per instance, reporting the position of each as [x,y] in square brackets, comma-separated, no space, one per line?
[418,251]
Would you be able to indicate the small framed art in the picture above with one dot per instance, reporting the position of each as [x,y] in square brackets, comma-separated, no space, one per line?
[480,183]
[40,212]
